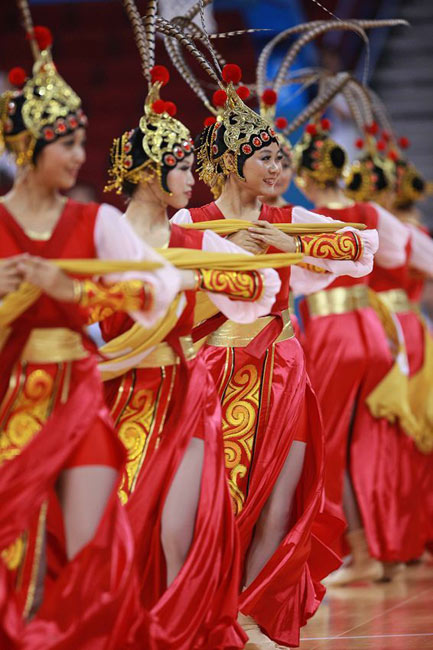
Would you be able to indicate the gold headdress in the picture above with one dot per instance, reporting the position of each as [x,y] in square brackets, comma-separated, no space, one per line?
[160,141]
[45,108]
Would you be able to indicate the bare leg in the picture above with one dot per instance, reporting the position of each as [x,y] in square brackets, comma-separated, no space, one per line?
[274,521]
[84,493]
[180,509]
[350,504]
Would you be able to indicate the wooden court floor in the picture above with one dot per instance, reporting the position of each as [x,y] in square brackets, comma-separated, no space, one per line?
[393,616]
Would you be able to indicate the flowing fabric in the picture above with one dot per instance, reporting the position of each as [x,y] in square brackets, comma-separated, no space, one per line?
[264,389]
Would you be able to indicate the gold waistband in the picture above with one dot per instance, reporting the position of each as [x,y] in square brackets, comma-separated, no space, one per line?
[164,355]
[239,335]
[396,300]
[53,345]
[339,300]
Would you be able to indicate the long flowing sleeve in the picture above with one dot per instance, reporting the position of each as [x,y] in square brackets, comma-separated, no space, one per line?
[115,239]
[305,281]
[421,251]
[393,239]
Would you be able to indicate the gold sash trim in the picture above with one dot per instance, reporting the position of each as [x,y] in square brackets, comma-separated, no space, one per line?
[164,355]
[53,345]
[239,335]
[339,300]
[396,300]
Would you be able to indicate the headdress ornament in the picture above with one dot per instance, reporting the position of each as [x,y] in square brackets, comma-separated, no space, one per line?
[160,141]
[44,107]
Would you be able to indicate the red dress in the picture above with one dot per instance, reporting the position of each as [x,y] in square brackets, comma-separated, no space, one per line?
[52,410]
[347,356]
[267,402]
[157,409]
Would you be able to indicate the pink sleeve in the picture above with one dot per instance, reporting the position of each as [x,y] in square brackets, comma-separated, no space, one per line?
[304,281]
[115,239]
[182,216]
[237,310]
[421,255]
[393,238]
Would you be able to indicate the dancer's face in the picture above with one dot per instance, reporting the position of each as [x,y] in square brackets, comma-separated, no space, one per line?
[262,170]
[180,181]
[283,180]
[58,164]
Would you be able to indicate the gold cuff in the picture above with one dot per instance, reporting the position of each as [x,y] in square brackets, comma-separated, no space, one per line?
[78,290]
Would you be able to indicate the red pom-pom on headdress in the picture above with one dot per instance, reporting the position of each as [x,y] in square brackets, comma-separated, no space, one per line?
[403,142]
[386,135]
[209,120]
[158,106]
[269,97]
[170,108]
[219,98]
[393,155]
[311,129]
[17,77]
[381,145]
[372,128]
[43,36]
[232,72]
[359,143]
[281,122]
[325,124]
[243,92]
[161,74]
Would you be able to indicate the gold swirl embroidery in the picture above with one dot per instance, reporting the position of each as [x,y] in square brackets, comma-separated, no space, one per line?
[28,414]
[242,285]
[134,429]
[13,555]
[102,301]
[240,407]
[334,246]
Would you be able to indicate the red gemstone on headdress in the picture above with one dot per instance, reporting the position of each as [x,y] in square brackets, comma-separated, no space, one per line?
[393,155]
[214,149]
[257,142]
[60,127]
[315,154]
[315,165]
[170,108]
[72,121]
[403,142]
[179,153]
[265,136]
[159,73]
[246,149]
[272,132]
[243,92]
[49,133]
[187,146]
[158,107]
[219,97]
[318,144]
[217,125]
[43,36]
[12,107]
[17,76]
[9,125]
[325,124]
[311,129]
[127,147]
[232,72]
[269,97]
[369,164]
[128,162]
[169,160]
[359,143]
[83,120]
[281,122]
[209,121]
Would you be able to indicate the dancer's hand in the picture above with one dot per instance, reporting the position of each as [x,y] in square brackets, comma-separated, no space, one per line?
[10,276]
[264,233]
[47,276]
[244,239]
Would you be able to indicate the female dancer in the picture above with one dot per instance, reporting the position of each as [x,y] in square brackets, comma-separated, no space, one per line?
[51,403]
[271,425]
[166,407]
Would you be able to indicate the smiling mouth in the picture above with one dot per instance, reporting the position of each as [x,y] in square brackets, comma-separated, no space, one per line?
[270,181]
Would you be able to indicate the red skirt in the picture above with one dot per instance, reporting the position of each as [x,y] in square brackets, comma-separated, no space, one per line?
[347,356]
[264,400]
[100,584]
[199,609]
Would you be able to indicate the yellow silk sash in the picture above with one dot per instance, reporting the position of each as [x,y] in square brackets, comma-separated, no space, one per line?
[421,395]
[17,302]
[230,226]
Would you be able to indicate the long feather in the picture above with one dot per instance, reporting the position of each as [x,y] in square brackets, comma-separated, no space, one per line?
[27,20]
[149,27]
[139,35]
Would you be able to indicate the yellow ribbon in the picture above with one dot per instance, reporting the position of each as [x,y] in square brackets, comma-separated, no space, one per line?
[229,226]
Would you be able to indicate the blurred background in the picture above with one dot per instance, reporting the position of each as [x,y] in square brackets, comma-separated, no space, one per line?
[95,51]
